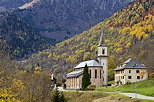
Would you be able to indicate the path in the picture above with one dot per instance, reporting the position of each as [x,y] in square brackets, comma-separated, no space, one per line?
[133,95]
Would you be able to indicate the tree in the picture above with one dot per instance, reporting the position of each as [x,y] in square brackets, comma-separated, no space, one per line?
[57,96]
[85,78]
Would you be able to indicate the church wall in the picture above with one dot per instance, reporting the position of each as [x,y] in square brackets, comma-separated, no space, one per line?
[74,83]
[96,80]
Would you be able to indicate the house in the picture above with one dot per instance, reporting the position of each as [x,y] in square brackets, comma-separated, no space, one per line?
[130,71]
[98,70]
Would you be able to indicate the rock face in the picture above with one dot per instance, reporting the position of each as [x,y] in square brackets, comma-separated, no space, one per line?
[62,19]
[7,5]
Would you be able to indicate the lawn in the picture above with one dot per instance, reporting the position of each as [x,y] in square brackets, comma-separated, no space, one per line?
[144,87]
[98,97]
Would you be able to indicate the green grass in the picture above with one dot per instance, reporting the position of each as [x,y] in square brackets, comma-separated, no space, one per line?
[111,82]
[144,87]
[98,97]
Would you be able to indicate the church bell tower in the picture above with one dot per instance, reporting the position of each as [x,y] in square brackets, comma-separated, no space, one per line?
[103,59]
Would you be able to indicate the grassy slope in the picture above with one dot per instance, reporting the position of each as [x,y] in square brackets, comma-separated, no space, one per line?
[98,97]
[128,33]
[143,87]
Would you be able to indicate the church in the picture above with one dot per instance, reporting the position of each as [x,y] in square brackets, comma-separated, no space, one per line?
[98,71]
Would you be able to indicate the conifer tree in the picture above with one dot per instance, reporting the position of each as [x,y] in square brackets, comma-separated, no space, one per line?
[85,78]
[57,96]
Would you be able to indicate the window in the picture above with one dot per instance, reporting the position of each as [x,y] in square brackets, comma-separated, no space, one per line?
[138,77]
[95,74]
[137,71]
[129,71]
[123,77]
[90,73]
[129,77]
[103,51]
[100,74]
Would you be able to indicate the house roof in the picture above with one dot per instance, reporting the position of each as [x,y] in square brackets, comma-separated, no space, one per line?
[131,64]
[90,63]
[74,74]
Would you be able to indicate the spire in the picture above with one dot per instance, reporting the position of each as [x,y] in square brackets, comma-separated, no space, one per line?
[101,42]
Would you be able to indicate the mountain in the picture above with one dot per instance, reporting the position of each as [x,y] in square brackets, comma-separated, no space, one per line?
[128,33]
[7,5]
[62,19]
[20,37]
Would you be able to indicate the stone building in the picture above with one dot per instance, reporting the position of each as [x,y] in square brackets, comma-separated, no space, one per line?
[98,70]
[130,71]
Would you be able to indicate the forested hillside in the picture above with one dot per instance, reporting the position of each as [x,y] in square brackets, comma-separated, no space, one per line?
[21,86]
[62,19]
[128,33]
[20,37]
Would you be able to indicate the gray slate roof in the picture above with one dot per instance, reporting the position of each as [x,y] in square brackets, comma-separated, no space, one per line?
[74,74]
[90,63]
[132,64]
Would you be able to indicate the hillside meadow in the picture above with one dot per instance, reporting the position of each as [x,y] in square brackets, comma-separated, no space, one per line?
[98,97]
[144,87]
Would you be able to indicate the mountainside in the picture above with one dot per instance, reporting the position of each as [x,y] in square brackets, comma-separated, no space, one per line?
[128,33]
[7,5]
[62,19]
[20,37]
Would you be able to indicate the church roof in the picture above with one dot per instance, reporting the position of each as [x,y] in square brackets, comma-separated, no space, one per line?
[74,74]
[131,64]
[101,42]
[90,63]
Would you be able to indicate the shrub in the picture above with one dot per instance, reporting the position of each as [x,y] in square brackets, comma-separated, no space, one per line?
[91,87]
[57,96]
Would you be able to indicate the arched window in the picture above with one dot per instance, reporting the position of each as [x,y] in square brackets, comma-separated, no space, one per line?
[100,74]
[95,74]
[90,74]
[103,51]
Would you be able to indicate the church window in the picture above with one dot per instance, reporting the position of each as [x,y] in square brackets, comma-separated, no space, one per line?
[90,73]
[95,74]
[103,51]
[100,74]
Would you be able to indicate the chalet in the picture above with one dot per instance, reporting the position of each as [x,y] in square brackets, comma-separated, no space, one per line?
[130,71]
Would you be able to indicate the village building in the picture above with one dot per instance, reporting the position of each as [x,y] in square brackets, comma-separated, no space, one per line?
[98,71]
[130,71]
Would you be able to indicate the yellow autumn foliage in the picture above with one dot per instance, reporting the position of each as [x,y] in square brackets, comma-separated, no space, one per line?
[119,50]
[128,45]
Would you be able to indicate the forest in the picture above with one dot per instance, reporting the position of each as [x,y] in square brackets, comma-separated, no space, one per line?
[21,38]
[128,33]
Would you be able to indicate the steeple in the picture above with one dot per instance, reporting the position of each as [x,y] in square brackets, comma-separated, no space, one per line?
[101,42]
[103,58]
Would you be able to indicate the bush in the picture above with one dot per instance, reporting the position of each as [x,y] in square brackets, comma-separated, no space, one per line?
[57,96]
[91,87]
[64,86]
[59,84]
